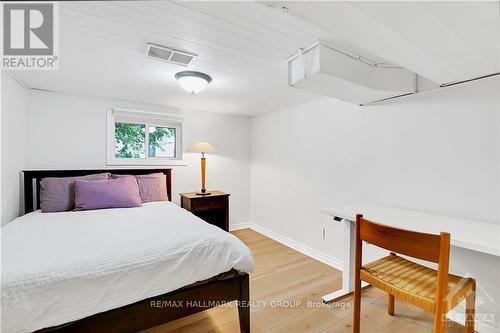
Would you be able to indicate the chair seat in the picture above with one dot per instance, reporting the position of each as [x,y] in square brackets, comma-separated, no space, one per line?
[414,283]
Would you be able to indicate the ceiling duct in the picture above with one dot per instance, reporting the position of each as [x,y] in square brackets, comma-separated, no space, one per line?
[324,70]
[173,56]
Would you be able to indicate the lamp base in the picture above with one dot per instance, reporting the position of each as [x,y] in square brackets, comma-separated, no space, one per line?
[202,193]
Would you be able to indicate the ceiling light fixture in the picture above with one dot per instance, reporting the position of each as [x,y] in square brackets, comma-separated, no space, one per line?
[193,82]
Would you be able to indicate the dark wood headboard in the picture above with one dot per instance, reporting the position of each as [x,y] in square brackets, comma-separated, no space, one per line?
[31,179]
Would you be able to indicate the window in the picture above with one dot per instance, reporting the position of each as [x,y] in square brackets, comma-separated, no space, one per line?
[162,141]
[143,138]
[130,140]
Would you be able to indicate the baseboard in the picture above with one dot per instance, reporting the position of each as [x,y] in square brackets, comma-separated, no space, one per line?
[299,247]
[239,226]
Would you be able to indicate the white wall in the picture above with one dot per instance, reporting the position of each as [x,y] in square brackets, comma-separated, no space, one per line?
[67,131]
[436,152]
[227,170]
[13,154]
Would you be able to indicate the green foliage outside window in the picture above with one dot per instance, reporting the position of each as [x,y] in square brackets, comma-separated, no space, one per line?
[157,137]
[130,139]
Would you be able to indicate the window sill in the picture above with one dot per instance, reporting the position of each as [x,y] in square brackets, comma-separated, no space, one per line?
[147,162]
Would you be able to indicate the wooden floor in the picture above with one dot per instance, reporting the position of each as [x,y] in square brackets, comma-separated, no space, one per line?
[283,283]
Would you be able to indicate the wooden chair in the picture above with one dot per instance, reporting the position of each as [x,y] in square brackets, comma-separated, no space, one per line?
[434,291]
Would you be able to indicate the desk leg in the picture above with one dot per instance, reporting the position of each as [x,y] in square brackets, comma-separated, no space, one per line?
[348,269]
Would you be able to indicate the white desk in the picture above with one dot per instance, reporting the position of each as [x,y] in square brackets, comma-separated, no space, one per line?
[467,234]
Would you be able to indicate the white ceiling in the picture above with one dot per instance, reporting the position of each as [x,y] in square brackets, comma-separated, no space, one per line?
[442,41]
[244,46]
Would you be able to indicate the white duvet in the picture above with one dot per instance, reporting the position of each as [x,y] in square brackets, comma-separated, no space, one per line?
[59,267]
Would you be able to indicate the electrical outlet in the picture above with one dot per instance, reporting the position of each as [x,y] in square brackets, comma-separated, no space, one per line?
[322,233]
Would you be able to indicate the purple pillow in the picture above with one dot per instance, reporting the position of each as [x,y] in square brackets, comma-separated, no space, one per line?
[114,193]
[152,187]
[58,194]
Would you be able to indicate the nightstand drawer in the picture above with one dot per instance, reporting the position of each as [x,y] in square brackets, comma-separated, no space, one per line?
[209,203]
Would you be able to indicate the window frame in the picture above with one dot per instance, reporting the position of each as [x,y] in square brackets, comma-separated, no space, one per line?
[115,115]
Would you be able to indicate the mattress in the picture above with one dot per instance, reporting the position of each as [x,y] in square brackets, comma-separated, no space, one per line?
[60,267]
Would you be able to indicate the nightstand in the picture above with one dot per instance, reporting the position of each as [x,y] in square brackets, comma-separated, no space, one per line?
[213,208]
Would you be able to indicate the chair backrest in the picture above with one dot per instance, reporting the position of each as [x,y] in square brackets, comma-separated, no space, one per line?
[411,243]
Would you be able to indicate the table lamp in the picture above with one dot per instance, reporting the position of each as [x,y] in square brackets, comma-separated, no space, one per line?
[202,147]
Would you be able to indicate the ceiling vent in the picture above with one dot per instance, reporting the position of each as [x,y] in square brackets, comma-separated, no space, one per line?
[173,56]
[324,70]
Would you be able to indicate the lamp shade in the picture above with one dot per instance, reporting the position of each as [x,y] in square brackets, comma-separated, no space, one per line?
[202,147]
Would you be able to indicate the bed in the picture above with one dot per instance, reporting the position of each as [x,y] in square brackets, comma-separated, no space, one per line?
[116,270]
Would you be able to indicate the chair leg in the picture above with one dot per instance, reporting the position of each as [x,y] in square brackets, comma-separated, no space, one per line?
[390,304]
[439,322]
[390,299]
[357,306]
[470,310]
